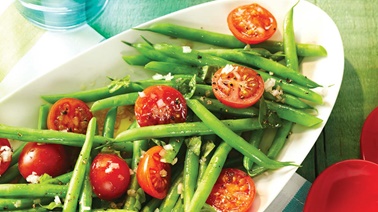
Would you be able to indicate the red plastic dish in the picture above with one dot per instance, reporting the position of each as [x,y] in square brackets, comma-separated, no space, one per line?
[369,137]
[350,185]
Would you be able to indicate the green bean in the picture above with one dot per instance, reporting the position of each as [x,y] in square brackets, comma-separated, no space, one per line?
[16,153]
[85,203]
[173,195]
[165,68]
[81,168]
[276,147]
[294,89]
[193,34]
[61,179]
[11,204]
[42,116]
[303,49]
[32,190]
[290,51]
[294,115]
[109,123]
[244,58]
[11,174]
[179,206]
[232,138]
[191,169]
[255,140]
[204,90]
[170,153]
[136,60]
[148,51]
[215,105]
[152,205]
[226,40]
[114,101]
[206,152]
[289,100]
[135,196]
[185,129]
[58,137]
[192,57]
[94,94]
[212,172]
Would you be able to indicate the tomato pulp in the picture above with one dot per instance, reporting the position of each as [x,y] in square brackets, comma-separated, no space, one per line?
[252,23]
[69,114]
[153,175]
[160,104]
[234,190]
[237,86]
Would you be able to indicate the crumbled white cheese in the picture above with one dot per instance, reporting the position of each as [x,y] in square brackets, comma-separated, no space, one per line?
[17,204]
[174,161]
[33,178]
[180,188]
[186,49]
[168,147]
[269,84]
[141,94]
[227,69]
[6,154]
[160,103]
[111,167]
[167,77]
[57,200]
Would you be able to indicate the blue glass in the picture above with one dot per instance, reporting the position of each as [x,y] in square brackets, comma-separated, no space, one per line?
[59,15]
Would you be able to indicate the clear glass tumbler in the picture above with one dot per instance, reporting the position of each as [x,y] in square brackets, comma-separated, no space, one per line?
[60,15]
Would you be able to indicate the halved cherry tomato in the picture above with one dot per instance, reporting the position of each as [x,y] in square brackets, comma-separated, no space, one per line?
[251,23]
[109,176]
[5,155]
[233,191]
[40,158]
[69,114]
[153,175]
[160,104]
[237,86]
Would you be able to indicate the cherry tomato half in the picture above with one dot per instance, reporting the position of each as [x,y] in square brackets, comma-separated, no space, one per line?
[153,175]
[109,176]
[160,104]
[234,190]
[251,23]
[5,155]
[40,158]
[237,86]
[69,114]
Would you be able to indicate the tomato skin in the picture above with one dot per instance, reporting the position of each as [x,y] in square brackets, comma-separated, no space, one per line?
[153,175]
[234,190]
[160,104]
[42,158]
[109,176]
[69,114]
[237,86]
[251,24]
[5,155]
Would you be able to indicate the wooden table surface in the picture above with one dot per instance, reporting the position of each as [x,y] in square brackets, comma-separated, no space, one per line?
[357,22]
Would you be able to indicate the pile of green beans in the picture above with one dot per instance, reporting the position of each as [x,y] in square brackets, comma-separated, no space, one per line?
[200,147]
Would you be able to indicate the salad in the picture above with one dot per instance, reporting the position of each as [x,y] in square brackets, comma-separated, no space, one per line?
[191,138]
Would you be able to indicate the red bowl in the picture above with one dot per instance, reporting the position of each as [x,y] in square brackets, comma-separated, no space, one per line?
[349,185]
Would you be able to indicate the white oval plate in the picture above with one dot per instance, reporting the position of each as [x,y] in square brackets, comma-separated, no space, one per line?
[90,69]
